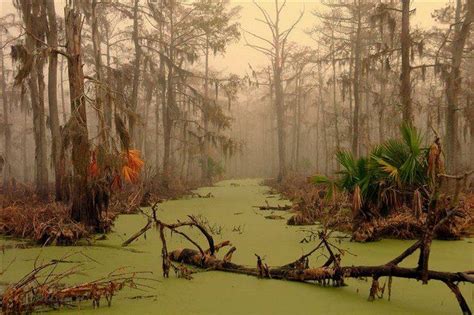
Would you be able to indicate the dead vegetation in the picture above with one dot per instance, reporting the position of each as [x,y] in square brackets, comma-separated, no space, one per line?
[312,206]
[24,215]
[46,222]
[44,289]
[331,273]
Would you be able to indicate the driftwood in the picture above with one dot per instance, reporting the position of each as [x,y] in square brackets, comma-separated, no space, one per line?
[197,195]
[331,272]
[277,207]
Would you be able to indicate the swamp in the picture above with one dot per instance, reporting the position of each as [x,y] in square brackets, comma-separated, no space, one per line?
[236,157]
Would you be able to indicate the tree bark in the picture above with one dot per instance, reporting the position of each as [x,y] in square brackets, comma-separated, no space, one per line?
[63,99]
[280,113]
[170,105]
[6,122]
[100,85]
[405,83]
[136,74]
[52,39]
[356,85]
[206,176]
[31,14]
[82,209]
[453,83]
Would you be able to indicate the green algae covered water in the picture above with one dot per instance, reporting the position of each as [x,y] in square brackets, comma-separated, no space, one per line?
[232,216]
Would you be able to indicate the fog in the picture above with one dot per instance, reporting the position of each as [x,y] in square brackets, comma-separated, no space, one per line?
[336,79]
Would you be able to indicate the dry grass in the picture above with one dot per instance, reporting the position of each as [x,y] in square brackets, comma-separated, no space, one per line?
[44,223]
[23,215]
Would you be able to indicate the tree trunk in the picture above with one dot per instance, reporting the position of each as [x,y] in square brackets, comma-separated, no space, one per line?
[382,102]
[6,122]
[99,87]
[298,125]
[63,99]
[136,74]
[405,84]
[158,102]
[334,100]
[356,87]
[108,98]
[82,209]
[30,12]
[53,98]
[323,119]
[170,104]
[144,133]
[24,154]
[453,84]
[206,177]
[280,113]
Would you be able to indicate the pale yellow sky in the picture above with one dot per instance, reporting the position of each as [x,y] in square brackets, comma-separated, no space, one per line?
[238,56]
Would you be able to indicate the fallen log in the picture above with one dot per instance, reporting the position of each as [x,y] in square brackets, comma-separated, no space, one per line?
[330,273]
[194,258]
[277,207]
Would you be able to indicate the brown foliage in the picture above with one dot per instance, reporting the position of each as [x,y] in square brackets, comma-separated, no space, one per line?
[23,215]
[42,288]
[312,206]
[42,222]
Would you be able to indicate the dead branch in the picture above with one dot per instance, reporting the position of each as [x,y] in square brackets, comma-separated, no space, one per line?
[139,233]
[331,272]
[42,288]
[277,207]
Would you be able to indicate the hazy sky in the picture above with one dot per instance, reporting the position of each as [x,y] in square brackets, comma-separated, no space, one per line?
[239,56]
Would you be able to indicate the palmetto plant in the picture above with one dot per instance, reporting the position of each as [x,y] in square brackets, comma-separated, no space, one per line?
[395,173]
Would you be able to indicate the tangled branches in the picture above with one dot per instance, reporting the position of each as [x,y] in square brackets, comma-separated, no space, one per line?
[47,224]
[42,288]
[332,272]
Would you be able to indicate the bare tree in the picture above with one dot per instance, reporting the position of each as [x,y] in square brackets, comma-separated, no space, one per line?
[276,50]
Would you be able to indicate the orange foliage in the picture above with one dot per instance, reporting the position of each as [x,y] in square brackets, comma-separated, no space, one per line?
[93,167]
[132,165]
[130,169]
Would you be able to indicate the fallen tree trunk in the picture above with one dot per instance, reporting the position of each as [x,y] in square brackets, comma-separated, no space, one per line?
[194,258]
[277,207]
[331,273]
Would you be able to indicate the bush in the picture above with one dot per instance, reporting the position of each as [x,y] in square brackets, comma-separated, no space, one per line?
[395,174]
